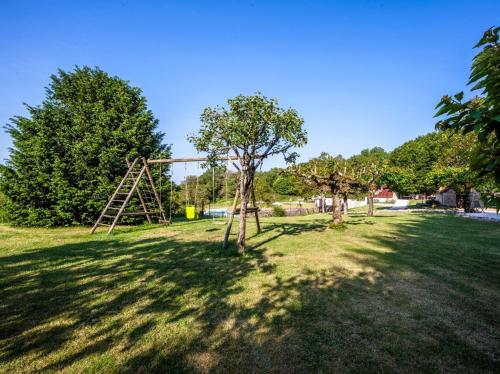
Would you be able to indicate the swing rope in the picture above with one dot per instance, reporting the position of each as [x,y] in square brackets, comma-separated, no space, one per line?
[226,176]
[213,192]
[159,196]
[171,194]
[186,183]
[196,186]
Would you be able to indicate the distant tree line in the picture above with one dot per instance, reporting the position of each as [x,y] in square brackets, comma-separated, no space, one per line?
[420,166]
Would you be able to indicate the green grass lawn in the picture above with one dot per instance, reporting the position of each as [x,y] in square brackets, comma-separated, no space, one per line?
[396,292]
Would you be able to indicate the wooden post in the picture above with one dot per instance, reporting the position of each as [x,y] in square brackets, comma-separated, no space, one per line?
[256,210]
[230,222]
[140,198]
[112,197]
[162,213]
[122,208]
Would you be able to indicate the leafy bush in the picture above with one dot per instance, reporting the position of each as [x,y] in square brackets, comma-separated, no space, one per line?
[278,211]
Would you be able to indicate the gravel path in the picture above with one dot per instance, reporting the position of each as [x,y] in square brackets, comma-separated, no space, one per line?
[489,216]
[400,204]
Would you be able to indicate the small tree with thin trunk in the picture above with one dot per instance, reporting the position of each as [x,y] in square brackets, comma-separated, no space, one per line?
[253,128]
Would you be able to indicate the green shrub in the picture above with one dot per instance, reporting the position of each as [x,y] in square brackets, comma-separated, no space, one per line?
[278,211]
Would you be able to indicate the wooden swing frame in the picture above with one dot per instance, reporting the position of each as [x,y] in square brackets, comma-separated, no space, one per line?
[234,210]
[136,176]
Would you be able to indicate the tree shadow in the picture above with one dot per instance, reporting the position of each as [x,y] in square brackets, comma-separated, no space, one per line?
[400,309]
[278,230]
[42,285]
[359,222]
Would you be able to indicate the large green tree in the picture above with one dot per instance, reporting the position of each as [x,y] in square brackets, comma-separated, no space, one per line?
[253,128]
[369,156]
[438,159]
[69,153]
[454,167]
[410,163]
[480,114]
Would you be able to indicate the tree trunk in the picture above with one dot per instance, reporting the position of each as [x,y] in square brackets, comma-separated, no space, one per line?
[370,204]
[231,219]
[337,217]
[254,203]
[323,203]
[240,244]
[467,201]
[345,204]
[245,187]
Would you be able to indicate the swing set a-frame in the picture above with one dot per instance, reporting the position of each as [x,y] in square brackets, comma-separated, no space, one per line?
[139,179]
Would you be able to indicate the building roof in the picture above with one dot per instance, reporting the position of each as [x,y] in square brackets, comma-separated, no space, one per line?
[445,189]
[384,193]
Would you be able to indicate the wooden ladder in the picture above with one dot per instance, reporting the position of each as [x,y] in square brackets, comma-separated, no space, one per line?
[137,179]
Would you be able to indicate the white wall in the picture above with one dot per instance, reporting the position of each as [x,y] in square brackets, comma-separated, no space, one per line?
[356,203]
[350,203]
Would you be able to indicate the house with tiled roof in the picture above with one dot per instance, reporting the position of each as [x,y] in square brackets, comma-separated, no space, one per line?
[384,195]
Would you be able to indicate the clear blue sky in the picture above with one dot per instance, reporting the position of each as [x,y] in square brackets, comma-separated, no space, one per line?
[362,74]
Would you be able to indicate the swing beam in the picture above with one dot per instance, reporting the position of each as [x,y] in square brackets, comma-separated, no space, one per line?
[190,159]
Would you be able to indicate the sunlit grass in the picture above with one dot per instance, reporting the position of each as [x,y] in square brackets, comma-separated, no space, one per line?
[395,292]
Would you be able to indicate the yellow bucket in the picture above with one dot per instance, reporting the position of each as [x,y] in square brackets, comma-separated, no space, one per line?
[190,212]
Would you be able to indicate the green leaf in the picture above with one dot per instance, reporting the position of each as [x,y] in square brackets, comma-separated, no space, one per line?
[459,96]
[443,110]
[441,103]
[478,127]
[491,166]
[476,114]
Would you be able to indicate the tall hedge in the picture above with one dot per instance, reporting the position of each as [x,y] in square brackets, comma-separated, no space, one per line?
[69,153]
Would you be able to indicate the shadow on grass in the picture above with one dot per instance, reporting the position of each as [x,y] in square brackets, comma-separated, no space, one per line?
[278,230]
[69,278]
[359,222]
[117,292]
